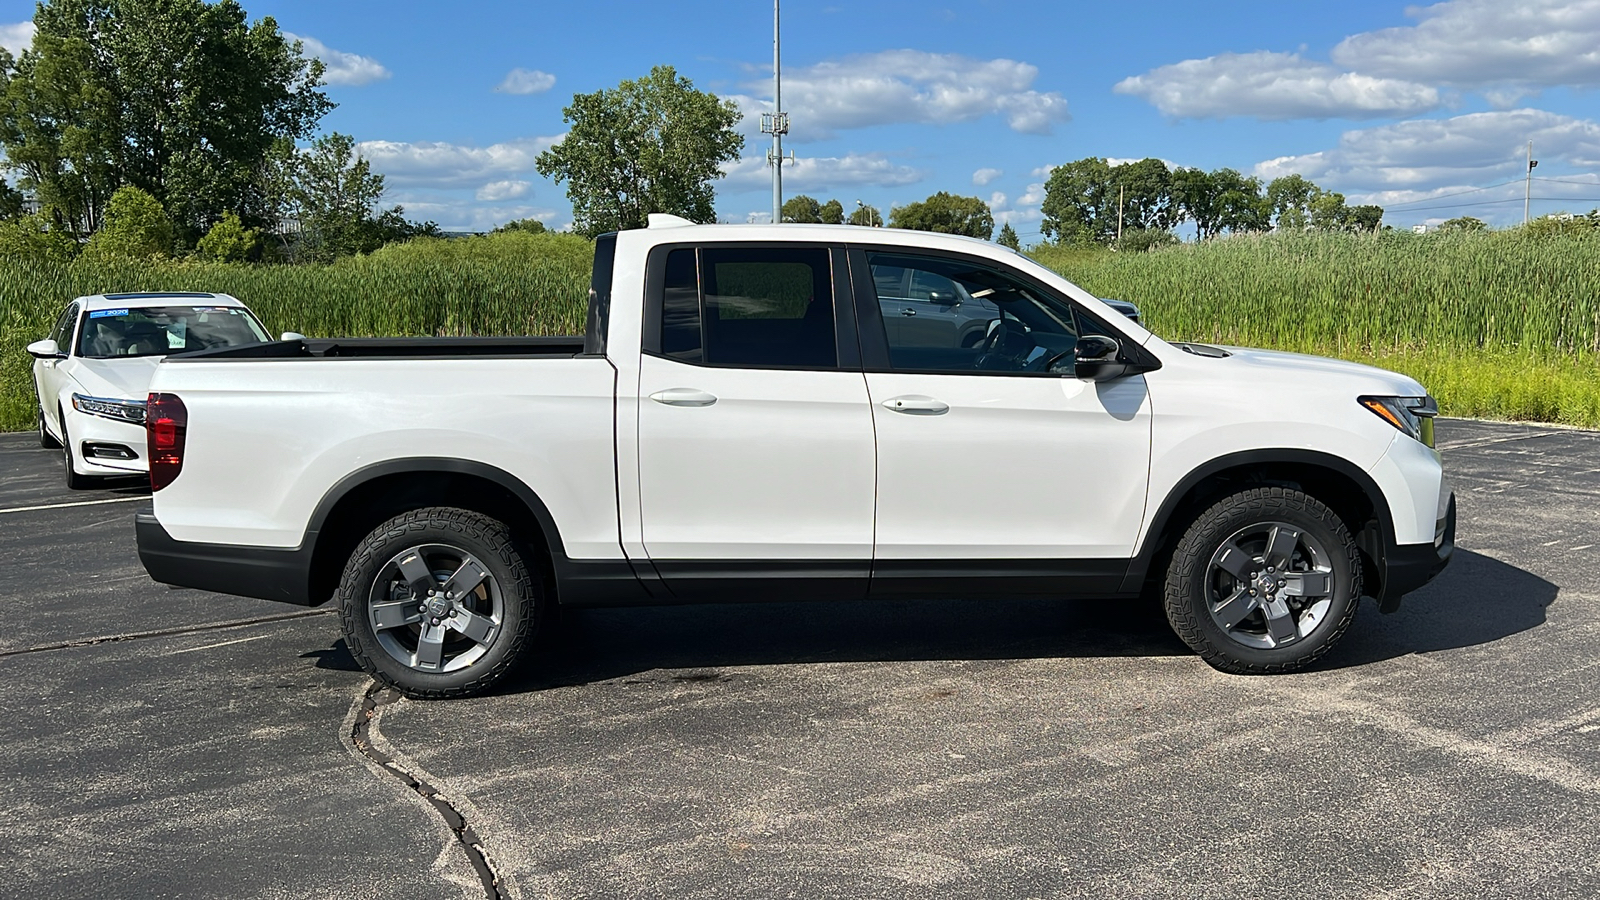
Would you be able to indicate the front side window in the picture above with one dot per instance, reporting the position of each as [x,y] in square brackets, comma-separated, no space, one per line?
[62,332]
[163,330]
[949,315]
[760,308]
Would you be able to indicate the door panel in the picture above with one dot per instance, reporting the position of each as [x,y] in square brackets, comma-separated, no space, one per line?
[778,466]
[1015,468]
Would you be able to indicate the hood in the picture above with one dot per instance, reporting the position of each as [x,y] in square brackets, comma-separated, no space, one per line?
[1380,381]
[116,379]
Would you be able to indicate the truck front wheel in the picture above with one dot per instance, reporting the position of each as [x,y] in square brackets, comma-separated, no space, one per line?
[440,602]
[1264,581]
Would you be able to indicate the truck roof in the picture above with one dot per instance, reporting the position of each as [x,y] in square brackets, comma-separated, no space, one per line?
[672,228]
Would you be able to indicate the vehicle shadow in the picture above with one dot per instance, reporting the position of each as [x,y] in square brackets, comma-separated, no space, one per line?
[598,645]
[1476,600]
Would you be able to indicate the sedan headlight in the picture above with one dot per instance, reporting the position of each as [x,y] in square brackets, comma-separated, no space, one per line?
[1412,415]
[131,411]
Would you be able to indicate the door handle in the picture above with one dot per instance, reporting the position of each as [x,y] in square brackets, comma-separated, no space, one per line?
[916,404]
[908,311]
[683,397]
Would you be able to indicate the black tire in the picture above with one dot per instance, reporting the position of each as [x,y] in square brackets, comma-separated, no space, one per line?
[1279,630]
[373,588]
[75,482]
[45,440]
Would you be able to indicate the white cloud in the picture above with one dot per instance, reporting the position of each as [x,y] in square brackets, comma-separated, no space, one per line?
[984,176]
[820,173]
[1485,43]
[1427,154]
[17,38]
[342,68]
[526,81]
[1033,196]
[1267,85]
[440,164]
[997,200]
[496,191]
[455,214]
[909,86]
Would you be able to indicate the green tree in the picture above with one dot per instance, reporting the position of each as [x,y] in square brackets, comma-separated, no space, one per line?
[1290,198]
[1329,212]
[1141,240]
[1464,223]
[831,213]
[1142,191]
[1239,201]
[1008,237]
[33,238]
[653,145]
[136,226]
[530,226]
[11,200]
[802,210]
[1075,202]
[335,195]
[866,215]
[180,98]
[1364,218]
[229,241]
[947,214]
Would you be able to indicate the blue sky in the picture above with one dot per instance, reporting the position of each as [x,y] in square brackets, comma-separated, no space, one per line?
[1424,109]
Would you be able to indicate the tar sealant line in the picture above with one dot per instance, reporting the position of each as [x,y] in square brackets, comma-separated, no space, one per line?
[168,632]
[372,703]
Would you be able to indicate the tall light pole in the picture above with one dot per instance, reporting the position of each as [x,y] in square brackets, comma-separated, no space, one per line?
[776,123]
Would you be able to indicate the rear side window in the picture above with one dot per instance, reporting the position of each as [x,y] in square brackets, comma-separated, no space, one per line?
[752,307]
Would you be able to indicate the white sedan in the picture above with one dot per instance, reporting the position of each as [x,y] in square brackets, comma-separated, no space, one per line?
[92,373]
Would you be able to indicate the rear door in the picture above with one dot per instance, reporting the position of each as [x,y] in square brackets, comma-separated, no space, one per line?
[755,435]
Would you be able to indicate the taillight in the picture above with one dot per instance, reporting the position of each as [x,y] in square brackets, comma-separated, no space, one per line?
[166,420]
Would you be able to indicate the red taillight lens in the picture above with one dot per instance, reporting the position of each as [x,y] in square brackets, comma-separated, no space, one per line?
[166,420]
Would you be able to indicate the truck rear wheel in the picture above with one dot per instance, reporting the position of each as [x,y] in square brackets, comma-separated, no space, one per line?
[440,602]
[1264,581]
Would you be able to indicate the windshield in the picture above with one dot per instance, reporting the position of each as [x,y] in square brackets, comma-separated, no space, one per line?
[160,330]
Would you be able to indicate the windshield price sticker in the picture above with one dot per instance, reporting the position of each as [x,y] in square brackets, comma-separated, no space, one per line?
[101,314]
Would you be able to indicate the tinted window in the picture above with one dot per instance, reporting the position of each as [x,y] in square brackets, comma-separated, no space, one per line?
[161,330]
[769,307]
[948,315]
[62,332]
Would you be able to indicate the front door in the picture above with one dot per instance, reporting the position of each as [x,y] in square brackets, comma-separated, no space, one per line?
[988,464]
[755,432]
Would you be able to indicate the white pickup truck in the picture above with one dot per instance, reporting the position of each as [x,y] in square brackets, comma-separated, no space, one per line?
[771,413]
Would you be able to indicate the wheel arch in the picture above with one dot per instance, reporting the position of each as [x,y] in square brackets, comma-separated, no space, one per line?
[373,494]
[1345,488]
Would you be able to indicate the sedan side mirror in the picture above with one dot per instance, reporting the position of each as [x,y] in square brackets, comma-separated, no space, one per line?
[943,298]
[292,336]
[1095,358]
[46,349]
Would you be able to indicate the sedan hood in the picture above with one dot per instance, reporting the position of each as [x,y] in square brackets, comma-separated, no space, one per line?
[1379,381]
[116,379]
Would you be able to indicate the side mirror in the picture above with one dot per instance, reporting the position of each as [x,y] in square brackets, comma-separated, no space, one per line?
[943,298]
[1095,358]
[45,349]
[292,336]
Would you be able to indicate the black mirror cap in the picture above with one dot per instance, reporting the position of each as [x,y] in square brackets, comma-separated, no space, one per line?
[1123,362]
[943,298]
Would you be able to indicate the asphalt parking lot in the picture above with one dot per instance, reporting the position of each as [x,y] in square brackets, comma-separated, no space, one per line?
[173,743]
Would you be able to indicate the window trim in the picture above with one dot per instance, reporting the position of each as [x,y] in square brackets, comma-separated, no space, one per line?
[846,336]
[875,352]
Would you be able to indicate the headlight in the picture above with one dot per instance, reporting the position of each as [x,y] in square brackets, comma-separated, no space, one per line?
[1412,415]
[131,411]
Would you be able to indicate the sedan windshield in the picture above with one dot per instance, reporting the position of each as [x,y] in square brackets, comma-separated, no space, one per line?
[161,330]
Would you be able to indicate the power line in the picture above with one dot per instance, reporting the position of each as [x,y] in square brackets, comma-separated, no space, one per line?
[1568,181]
[1443,196]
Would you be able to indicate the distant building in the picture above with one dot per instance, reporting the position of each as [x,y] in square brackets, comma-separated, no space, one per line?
[1419,229]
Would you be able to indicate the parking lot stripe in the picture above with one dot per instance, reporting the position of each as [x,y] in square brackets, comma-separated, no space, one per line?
[214,646]
[19,509]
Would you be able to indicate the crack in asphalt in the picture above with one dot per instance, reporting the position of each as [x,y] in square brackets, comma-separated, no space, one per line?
[166,632]
[372,701]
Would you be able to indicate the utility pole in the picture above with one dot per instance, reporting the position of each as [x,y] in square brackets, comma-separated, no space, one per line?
[1527,195]
[776,123]
[1122,193]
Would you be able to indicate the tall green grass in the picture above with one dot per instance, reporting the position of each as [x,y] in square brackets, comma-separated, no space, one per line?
[1499,325]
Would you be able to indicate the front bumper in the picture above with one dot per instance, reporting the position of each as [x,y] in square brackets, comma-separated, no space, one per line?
[267,574]
[94,438]
[1407,567]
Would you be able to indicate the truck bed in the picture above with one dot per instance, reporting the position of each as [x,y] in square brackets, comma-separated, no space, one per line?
[395,348]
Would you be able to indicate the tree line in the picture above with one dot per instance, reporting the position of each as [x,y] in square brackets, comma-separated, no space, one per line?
[162,128]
